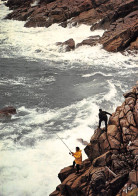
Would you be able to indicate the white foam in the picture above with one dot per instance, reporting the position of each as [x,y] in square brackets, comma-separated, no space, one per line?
[35,3]
[112,92]
[30,163]
[40,43]
[32,170]
[93,74]
[16,81]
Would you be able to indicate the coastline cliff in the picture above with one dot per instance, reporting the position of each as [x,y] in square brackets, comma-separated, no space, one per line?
[111,168]
[119,19]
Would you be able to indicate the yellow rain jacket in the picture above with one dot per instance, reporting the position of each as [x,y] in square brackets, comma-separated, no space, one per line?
[78,157]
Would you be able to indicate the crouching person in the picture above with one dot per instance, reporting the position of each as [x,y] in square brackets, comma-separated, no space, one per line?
[78,159]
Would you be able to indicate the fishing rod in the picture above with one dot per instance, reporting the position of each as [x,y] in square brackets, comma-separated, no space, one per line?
[64,143]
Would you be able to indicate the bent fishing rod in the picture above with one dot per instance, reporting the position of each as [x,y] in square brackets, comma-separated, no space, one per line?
[64,143]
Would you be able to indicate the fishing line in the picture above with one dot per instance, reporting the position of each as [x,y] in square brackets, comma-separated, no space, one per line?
[63,142]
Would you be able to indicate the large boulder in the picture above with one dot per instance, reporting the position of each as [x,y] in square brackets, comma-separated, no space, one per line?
[67,45]
[121,33]
[103,160]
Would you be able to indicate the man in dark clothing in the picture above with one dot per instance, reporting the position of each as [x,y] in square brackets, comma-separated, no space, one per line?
[103,117]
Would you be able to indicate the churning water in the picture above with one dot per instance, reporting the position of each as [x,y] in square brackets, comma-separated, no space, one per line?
[54,92]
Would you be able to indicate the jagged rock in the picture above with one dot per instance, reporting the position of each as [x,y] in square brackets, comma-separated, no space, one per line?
[104,144]
[88,17]
[119,17]
[98,180]
[121,33]
[50,12]
[134,132]
[114,155]
[114,120]
[136,113]
[92,151]
[98,144]
[91,41]
[134,45]
[133,177]
[133,147]
[102,160]
[114,136]
[121,115]
[124,122]
[130,119]
[67,45]
[130,93]
[7,112]
[64,173]
[117,183]
[14,4]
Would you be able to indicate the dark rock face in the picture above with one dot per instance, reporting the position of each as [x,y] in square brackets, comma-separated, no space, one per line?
[112,165]
[91,41]
[119,18]
[47,12]
[18,4]
[121,33]
[67,45]
[7,112]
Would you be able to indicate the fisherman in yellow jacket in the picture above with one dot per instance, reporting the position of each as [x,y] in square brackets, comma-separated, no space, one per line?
[78,159]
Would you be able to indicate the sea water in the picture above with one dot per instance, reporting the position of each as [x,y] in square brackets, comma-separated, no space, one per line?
[54,92]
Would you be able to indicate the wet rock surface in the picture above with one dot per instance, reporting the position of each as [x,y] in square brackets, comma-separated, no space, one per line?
[112,165]
[119,18]
[7,112]
[67,45]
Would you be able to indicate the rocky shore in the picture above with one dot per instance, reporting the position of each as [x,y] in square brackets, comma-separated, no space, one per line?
[118,17]
[112,165]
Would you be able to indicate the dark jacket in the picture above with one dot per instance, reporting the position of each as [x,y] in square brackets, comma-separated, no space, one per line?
[103,115]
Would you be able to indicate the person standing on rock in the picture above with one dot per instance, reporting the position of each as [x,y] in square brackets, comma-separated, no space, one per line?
[78,159]
[103,117]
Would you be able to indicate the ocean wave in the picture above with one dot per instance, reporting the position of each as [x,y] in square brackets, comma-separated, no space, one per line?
[40,43]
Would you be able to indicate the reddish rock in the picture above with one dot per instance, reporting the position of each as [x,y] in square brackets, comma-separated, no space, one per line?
[91,41]
[114,120]
[102,160]
[104,143]
[67,45]
[121,115]
[121,33]
[51,11]
[134,45]
[133,177]
[119,17]
[7,112]
[130,119]
[126,109]
[88,17]
[114,136]
[64,173]
[92,151]
[98,145]
[136,113]
[112,164]
[124,123]
[131,93]
[118,182]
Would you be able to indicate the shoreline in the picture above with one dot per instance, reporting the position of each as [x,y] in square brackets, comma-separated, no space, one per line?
[112,157]
[119,19]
